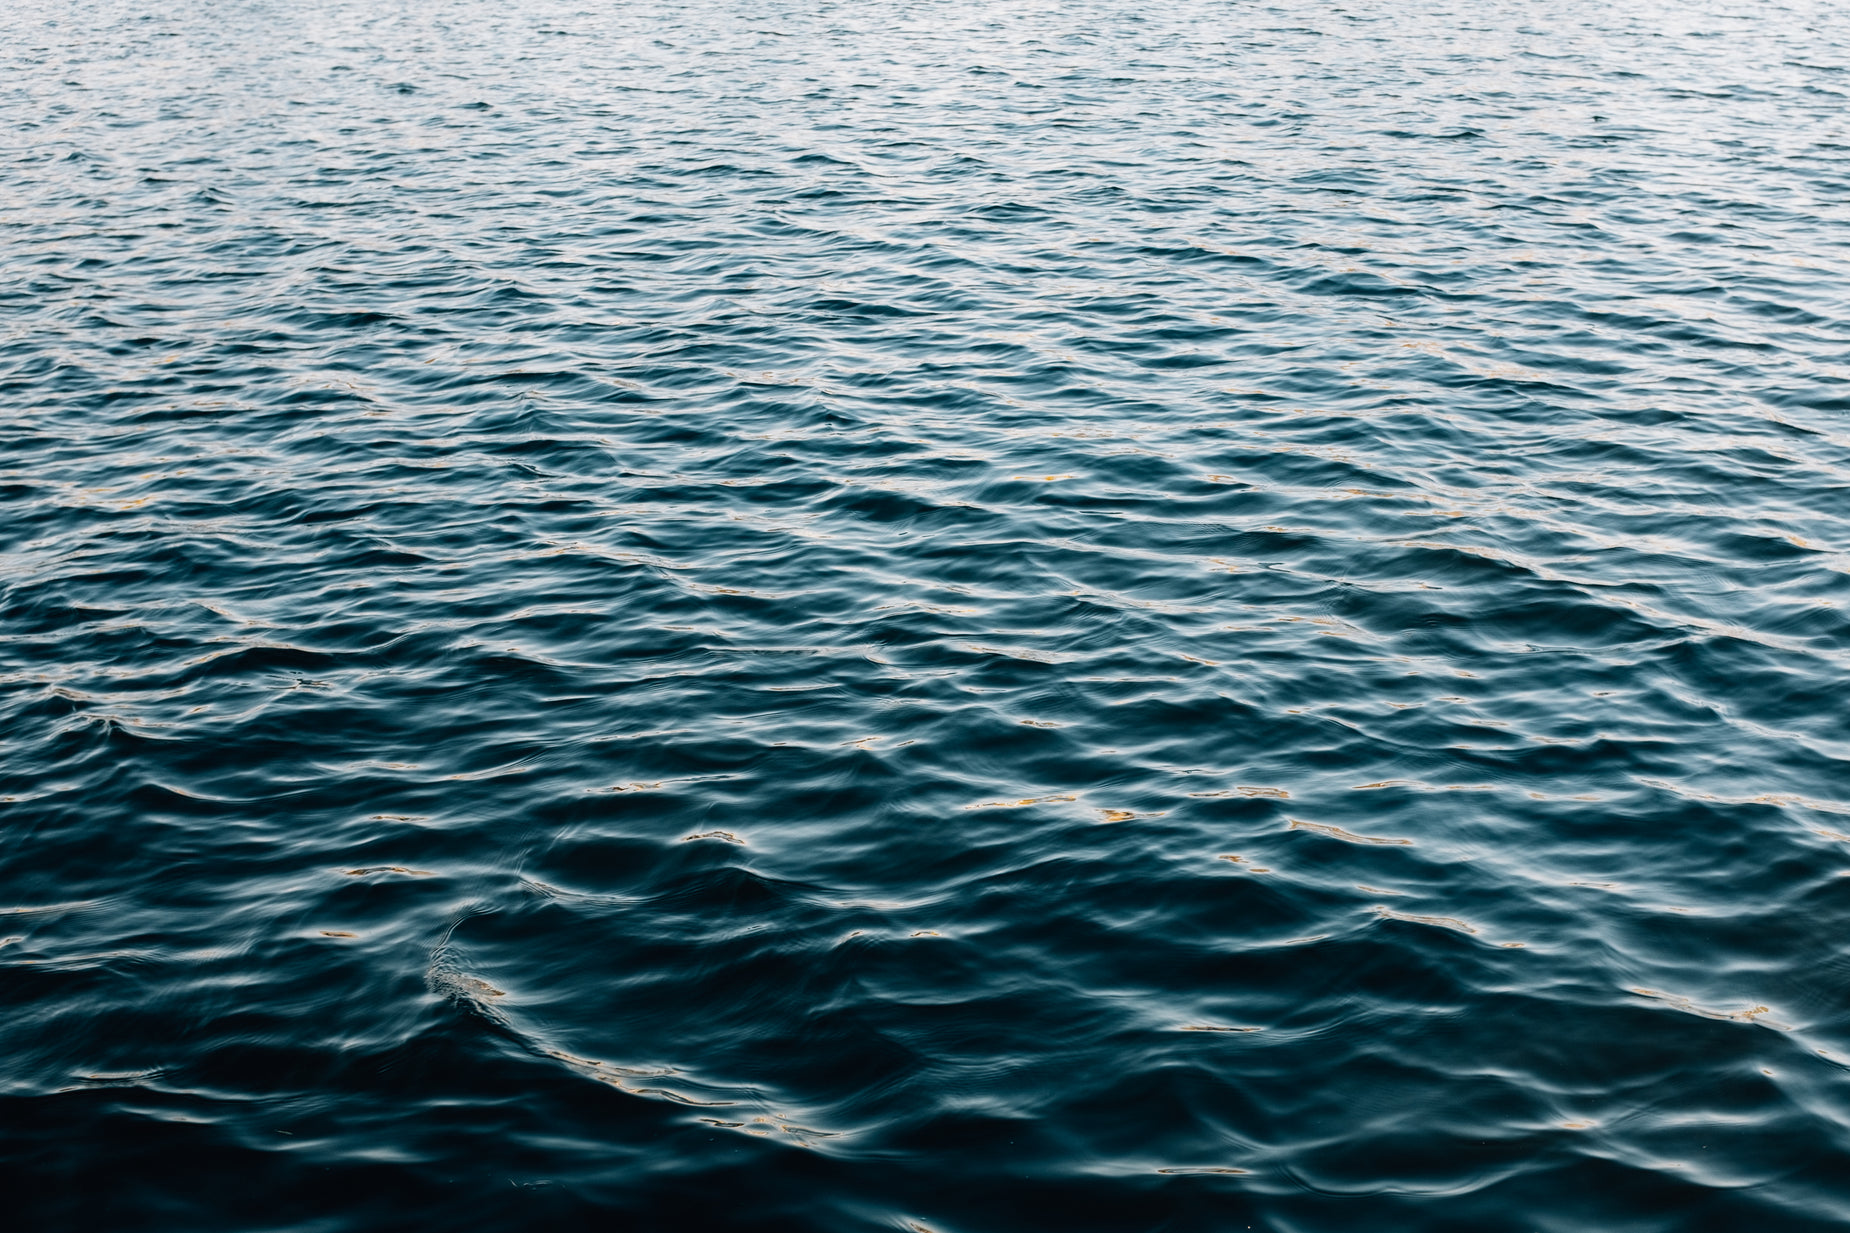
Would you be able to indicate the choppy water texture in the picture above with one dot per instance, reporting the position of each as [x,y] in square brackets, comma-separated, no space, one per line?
[953,617]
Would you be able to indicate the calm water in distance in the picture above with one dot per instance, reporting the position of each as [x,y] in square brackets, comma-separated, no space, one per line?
[1087,617]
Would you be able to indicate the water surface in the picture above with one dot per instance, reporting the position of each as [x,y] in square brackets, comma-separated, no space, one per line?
[946,617]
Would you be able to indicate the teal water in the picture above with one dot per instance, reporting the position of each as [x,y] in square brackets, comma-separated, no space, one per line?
[942,617]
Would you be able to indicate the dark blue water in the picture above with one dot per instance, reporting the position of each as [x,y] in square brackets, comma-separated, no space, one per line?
[760,615]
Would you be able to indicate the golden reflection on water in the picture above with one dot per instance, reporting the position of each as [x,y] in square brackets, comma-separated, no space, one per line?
[1026,800]
[1443,922]
[1337,832]
[1753,1014]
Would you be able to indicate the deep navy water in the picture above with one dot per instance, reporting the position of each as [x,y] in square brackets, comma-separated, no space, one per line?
[775,615]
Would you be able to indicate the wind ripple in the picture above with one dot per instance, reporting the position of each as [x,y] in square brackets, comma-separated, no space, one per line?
[937,617]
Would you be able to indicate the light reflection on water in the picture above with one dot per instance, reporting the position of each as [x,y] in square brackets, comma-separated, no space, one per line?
[936,616]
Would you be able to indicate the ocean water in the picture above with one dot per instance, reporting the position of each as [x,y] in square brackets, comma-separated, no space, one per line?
[771,615]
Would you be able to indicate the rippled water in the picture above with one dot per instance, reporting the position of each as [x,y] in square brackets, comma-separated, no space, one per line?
[940,616]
